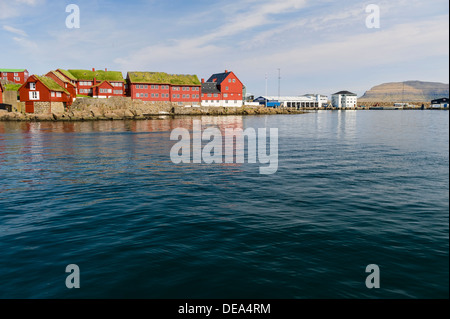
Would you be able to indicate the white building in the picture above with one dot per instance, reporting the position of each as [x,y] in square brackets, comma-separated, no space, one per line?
[344,99]
[440,103]
[304,101]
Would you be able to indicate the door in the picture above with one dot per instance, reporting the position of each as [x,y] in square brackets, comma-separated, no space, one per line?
[29,107]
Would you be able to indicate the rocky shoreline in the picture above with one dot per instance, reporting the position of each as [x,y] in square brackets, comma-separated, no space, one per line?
[126,109]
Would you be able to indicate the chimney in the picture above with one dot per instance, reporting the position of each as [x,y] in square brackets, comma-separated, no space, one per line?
[106,70]
[203,80]
[226,71]
[93,69]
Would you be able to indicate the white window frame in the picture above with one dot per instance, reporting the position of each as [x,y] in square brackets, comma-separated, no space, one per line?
[34,95]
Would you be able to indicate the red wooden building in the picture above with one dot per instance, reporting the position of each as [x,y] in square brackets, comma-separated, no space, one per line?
[103,90]
[88,80]
[42,94]
[64,82]
[162,87]
[18,76]
[223,89]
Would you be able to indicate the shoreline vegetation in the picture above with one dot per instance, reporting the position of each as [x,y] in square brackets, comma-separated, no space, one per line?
[119,108]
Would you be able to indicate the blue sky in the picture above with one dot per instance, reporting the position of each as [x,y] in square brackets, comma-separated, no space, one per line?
[321,46]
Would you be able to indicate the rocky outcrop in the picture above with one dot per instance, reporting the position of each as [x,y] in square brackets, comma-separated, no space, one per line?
[409,91]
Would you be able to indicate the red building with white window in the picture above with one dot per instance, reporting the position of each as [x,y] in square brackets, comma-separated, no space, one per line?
[17,76]
[223,89]
[103,90]
[162,87]
[87,82]
[63,82]
[42,95]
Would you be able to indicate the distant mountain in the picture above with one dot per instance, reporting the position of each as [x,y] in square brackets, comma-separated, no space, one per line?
[409,91]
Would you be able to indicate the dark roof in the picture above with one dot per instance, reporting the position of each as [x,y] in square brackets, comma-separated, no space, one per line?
[210,87]
[439,101]
[219,77]
[344,93]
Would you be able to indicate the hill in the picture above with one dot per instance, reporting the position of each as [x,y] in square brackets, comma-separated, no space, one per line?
[408,91]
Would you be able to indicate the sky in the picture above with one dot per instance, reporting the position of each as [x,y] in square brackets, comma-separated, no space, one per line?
[317,46]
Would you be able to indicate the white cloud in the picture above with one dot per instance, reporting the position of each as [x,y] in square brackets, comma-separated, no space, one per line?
[15,8]
[405,42]
[15,30]
[240,17]
[25,43]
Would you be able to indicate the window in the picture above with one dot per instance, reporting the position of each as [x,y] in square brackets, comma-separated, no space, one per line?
[32,86]
[209,95]
[34,95]
[16,74]
[109,91]
[17,79]
[188,96]
[216,95]
[53,94]
[234,80]
[225,95]
[142,94]
[137,94]
[146,94]
[229,80]
[58,94]
[118,92]
[156,87]
[227,88]
[157,95]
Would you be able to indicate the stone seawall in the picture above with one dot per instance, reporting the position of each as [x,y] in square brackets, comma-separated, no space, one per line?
[118,108]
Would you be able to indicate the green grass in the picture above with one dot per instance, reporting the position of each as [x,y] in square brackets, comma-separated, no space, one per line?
[99,75]
[12,70]
[51,84]
[163,78]
[68,74]
[12,87]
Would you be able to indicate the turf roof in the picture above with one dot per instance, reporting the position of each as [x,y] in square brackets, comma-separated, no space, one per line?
[163,78]
[100,75]
[68,74]
[12,70]
[51,84]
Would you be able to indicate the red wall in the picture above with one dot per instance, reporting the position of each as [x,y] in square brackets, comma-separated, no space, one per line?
[234,89]
[165,92]
[44,93]
[10,75]
[1,94]
[234,92]
[104,85]
[69,87]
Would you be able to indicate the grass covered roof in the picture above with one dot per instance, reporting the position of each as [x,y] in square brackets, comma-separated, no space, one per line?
[163,78]
[51,84]
[68,74]
[100,75]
